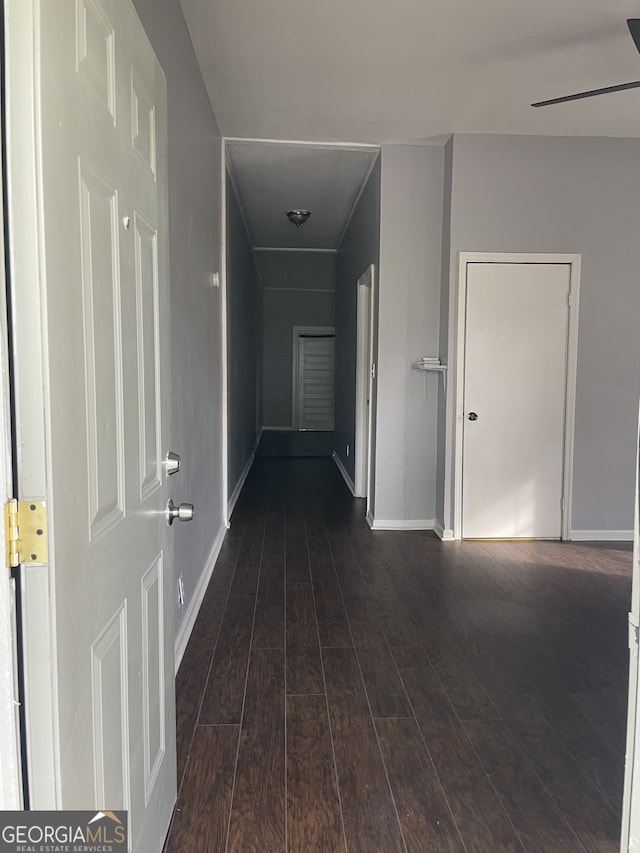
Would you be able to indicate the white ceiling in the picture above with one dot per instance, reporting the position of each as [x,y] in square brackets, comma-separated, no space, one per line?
[403,70]
[272,178]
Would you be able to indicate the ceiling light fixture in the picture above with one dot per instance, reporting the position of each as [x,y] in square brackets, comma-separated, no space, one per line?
[298,217]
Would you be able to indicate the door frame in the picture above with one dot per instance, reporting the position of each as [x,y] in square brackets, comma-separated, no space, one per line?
[25,251]
[364,385]
[298,332]
[11,778]
[458,350]
[224,346]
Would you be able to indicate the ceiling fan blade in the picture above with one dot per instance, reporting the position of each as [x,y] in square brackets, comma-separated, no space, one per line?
[634,29]
[590,94]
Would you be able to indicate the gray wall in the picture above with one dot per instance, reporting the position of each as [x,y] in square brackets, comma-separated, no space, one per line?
[298,290]
[553,194]
[195,243]
[243,343]
[411,206]
[360,247]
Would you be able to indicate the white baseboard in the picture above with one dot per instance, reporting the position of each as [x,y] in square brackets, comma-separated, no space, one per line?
[438,529]
[601,535]
[345,475]
[445,533]
[370,519]
[233,500]
[189,620]
[404,524]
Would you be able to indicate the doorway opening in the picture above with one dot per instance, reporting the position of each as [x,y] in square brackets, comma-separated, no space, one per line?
[279,277]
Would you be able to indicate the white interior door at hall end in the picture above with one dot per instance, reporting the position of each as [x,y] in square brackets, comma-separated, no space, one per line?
[515,369]
[316,382]
[99,620]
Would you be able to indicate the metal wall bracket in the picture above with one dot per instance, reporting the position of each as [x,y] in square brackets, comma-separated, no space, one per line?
[634,635]
[25,525]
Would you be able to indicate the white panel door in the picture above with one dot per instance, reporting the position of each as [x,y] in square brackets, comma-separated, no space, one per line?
[515,369]
[99,618]
[316,382]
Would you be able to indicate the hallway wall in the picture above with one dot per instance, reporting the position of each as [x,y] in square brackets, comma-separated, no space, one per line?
[244,346]
[411,204]
[359,248]
[195,222]
[298,289]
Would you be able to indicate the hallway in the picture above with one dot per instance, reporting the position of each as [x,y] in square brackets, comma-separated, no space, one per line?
[345,690]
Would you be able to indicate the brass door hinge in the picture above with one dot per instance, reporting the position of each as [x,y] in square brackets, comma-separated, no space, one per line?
[25,529]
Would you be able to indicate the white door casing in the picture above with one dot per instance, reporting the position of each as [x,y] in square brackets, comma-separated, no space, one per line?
[86,108]
[504,487]
[224,352]
[313,381]
[10,760]
[630,837]
[364,384]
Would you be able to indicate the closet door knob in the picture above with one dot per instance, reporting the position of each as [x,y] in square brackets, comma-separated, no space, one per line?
[181,512]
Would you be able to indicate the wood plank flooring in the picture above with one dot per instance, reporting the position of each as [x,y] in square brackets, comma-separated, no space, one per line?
[370,692]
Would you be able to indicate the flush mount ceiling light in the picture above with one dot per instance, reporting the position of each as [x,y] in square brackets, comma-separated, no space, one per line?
[298,217]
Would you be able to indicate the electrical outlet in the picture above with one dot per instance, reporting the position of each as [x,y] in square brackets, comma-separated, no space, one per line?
[180,592]
[348,449]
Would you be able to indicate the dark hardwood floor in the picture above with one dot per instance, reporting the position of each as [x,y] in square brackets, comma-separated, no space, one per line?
[350,690]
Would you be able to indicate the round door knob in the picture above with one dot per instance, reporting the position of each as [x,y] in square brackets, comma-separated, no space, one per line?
[181,512]
[472,416]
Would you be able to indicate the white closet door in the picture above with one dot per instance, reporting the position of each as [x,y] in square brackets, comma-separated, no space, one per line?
[515,369]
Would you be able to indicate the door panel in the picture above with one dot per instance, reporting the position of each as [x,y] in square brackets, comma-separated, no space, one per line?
[147,307]
[515,382]
[102,350]
[100,166]
[110,710]
[153,673]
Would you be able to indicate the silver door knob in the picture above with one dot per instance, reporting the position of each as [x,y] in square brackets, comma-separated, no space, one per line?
[172,462]
[472,416]
[181,512]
